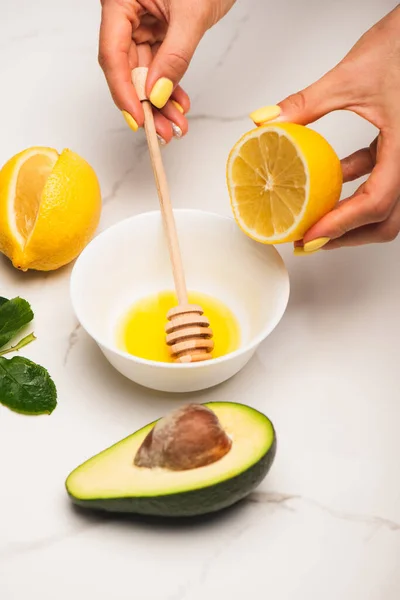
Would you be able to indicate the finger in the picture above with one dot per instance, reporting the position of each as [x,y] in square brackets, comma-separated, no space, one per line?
[180,96]
[115,58]
[329,93]
[172,122]
[179,122]
[150,33]
[173,111]
[145,56]
[133,57]
[359,163]
[163,127]
[174,55]
[370,234]
[372,203]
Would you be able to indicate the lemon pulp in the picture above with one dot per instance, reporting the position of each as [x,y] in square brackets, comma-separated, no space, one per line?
[31,180]
[141,331]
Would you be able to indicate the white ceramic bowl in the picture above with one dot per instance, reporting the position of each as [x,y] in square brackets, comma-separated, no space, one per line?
[130,260]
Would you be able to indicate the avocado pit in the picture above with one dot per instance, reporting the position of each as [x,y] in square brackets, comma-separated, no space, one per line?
[188,438]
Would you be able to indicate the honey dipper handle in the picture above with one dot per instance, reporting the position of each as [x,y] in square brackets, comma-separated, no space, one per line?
[139,81]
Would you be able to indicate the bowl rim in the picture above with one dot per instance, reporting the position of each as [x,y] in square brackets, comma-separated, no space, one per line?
[255,341]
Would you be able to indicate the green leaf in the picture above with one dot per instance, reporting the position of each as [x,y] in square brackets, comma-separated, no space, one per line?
[26,387]
[3,300]
[14,315]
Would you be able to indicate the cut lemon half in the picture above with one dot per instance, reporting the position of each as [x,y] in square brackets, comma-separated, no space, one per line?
[282,178]
[50,207]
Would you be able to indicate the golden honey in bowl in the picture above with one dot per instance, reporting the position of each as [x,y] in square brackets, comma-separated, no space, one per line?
[141,331]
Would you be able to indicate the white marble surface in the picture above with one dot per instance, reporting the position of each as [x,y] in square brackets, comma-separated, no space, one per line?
[326,523]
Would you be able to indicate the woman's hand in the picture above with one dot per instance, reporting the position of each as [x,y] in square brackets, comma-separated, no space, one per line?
[174,29]
[367,82]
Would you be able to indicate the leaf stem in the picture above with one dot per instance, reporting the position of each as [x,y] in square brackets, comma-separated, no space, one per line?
[24,342]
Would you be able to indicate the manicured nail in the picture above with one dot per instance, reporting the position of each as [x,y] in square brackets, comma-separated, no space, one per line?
[265,114]
[316,244]
[299,251]
[178,106]
[130,120]
[161,92]
[161,140]
[177,130]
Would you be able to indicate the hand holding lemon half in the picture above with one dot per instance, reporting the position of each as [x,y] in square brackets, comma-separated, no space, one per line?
[282,178]
[50,207]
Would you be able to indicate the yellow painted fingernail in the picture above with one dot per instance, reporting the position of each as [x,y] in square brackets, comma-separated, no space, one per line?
[316,244]
[178,106]
[130,120]
[299,251]
[265,114]
[161,92]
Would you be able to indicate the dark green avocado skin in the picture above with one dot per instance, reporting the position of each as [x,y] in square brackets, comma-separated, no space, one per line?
[192,503]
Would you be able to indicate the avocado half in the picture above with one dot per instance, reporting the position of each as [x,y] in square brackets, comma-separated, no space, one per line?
[110,481]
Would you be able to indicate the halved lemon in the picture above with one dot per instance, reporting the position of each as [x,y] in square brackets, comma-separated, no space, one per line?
[282,178]
[50,206]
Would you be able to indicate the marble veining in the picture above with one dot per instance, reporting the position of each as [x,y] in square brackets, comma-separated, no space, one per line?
[286,500]
[73,339]
[241,25]
[291,502]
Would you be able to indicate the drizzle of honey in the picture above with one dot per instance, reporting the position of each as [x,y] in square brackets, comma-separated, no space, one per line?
[141,331]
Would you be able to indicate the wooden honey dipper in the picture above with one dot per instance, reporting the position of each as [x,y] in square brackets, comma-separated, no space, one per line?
[189,336]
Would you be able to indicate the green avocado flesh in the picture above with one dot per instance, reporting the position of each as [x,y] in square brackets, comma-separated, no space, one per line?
[110,481]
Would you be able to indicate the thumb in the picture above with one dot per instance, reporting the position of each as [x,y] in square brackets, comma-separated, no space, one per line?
[327,94]
[173,57]
[310,104]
